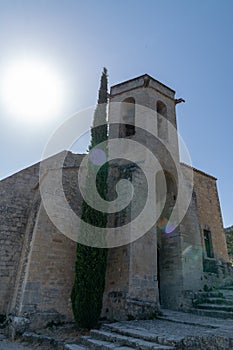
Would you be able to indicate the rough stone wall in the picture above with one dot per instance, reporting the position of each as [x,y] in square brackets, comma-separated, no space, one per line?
[21,269]
[131,289]
[209,213]
[191,243]
[117,283]
[37,261]
[143,281]
[46,274]
[16,193]
[50,270]
[170,269]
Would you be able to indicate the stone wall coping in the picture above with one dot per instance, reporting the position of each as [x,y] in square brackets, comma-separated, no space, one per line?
[198,171]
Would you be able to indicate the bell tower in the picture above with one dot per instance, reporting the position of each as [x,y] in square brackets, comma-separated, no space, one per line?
[148,269]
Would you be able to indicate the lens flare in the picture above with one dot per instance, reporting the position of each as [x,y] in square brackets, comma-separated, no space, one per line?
[194,253]
[98,156]
[165,225]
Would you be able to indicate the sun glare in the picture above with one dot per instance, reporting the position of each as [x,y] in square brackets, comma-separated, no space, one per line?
[31,91]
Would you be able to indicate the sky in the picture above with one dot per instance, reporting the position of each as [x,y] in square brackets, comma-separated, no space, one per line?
[186,44]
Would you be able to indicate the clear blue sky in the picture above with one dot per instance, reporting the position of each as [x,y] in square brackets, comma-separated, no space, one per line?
[188,45]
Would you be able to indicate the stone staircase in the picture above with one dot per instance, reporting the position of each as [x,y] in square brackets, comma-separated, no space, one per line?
[114,337]
[173,330]
[217,303]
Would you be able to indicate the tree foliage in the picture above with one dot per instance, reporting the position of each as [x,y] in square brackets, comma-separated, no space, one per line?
[90,268]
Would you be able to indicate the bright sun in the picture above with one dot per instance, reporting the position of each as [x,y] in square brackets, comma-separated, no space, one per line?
[31,90]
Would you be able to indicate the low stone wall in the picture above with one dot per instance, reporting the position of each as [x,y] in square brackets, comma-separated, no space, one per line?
[221,275]
[121,307]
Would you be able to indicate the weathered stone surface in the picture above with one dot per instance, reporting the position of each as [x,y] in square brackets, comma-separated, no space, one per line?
[209,213]
[18,325]
[173,330]
[16,193]
[127,340]
[74,347]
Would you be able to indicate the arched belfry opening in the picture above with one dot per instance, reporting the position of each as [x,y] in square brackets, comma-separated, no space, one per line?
[128,117]
[162,121]
[166,194]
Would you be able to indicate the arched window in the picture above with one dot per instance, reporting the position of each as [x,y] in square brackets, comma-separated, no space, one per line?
[128,117]
[166,194]
[162,121]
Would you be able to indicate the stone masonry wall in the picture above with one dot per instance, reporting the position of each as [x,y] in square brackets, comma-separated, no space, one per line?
[50,270]
[16,193]
[209,213]
[37,261]
[45,279]
[192,259]
[117,283]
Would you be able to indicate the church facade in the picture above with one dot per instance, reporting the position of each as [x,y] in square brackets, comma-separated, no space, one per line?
[166,263]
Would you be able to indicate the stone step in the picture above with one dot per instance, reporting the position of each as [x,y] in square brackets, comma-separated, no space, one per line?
[218,307]
[212,313]
[98,344]
[136,343]
[74,347]
[145,335]
[227,293]
[34,338]
[228,288]
[219,301]
[216,294]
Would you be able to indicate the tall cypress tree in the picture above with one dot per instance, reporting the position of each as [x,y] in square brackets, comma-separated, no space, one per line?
[90,268]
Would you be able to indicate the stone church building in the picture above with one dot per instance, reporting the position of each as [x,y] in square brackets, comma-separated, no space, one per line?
[159,268]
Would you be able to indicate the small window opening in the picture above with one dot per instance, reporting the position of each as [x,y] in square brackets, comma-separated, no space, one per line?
[208,244]
[128,116]
[162,121]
